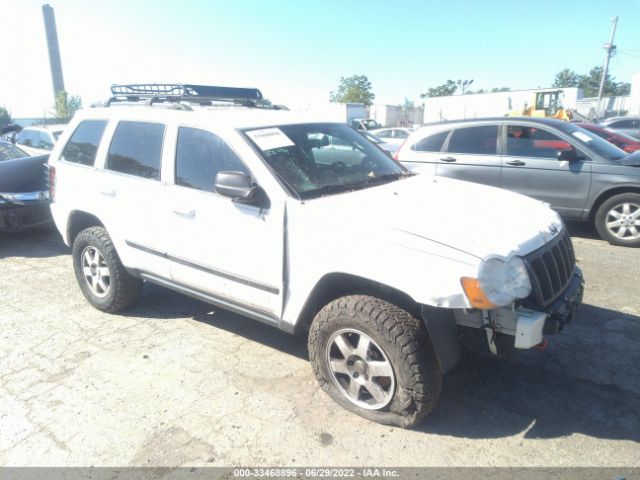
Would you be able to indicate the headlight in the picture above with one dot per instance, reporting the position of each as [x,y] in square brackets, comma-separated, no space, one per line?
[503,282]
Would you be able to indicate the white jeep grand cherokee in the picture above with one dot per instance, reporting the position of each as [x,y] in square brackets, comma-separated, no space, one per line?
[307,226]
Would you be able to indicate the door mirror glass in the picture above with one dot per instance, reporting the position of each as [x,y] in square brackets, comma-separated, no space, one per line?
[569,155]
[234,185]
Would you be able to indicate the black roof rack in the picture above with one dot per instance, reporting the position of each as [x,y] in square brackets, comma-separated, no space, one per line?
[182,92]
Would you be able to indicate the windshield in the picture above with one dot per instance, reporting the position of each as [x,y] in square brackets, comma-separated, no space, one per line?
[9,152]
[372,137]
[371,124]
[323,158]
[595,143]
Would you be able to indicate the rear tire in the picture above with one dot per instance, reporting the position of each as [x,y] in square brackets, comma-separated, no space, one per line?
[104,281]
[618,220]
[376,360]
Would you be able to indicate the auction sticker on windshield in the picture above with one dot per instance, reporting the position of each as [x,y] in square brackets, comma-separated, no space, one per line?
[269,138]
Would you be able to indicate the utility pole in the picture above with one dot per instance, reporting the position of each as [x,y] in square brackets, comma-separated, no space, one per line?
[463,84]
[610,48]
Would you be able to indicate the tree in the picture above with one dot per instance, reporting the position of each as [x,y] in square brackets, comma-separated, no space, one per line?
[353,89]
[566,78]
[66,105]
[5,118]
[408,104]
[590,83]
[500,89]
[444,90]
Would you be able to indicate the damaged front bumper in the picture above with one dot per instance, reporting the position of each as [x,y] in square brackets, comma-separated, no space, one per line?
[527,326]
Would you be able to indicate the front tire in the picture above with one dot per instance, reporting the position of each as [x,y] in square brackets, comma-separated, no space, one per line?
[376,360]
[618,220]
[104,281]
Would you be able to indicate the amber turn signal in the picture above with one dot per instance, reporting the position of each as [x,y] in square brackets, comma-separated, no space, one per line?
[476,296]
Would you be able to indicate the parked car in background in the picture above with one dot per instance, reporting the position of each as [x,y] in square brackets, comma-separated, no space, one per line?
[8,151]
[388,147]
[24,195]
[628,125]
[395,135]
[579,174]
[621,140]
[364,124]
[39,140]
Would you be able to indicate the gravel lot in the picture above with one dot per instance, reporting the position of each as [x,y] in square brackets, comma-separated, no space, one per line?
[173,382]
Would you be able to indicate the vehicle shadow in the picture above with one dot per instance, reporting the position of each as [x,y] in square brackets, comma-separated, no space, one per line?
[158,302]
[37,243]
[582,230]
[587,381]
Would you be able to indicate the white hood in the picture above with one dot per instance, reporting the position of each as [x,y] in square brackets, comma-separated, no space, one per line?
[478,220]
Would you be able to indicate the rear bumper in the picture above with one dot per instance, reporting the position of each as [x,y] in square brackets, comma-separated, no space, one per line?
[21,211]
[24,198]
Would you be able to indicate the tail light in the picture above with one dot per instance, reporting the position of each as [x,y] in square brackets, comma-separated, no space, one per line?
[52,182]
[396,156]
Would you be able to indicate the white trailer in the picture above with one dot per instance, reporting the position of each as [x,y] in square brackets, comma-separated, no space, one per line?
[455,107]
[342,112]
[395,115]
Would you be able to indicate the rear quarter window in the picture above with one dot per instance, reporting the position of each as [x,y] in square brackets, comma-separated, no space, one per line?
[136,149]
[84,142]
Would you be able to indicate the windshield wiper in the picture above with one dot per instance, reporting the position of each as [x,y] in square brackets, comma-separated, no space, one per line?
[328,189]
[388,177]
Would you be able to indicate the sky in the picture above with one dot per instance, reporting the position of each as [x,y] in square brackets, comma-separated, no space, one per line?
[296,51]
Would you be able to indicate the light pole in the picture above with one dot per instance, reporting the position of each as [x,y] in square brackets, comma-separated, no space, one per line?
[464,84]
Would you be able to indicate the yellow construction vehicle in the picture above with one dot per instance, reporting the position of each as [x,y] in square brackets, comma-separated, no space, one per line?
[546,104]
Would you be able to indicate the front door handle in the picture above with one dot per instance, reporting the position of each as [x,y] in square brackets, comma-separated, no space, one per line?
[448,159]
[515,163]
[108,193]
[185,213]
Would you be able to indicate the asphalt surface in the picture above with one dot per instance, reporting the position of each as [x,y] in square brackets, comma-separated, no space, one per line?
[174,381]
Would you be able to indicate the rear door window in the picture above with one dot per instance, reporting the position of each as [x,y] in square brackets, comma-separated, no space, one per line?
[136,149]
[481,140]
[432,143]
[200,155]
[84,142]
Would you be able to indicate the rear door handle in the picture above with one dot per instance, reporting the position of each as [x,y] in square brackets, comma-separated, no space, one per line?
[448,159]
[108,193]
[515,163]
[185,213]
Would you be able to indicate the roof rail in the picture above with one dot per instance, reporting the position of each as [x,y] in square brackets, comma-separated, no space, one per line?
[182,92]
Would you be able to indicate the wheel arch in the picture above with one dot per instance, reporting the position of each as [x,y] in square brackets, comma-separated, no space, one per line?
[78,221]
[440,323]
[335,285]
[607,194]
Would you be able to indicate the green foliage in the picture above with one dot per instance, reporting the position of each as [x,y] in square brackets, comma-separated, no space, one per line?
[566,78]
[66,105]
[590,83]
[500,89]
[446,89]
[408,104]
[5,117]
[353,89]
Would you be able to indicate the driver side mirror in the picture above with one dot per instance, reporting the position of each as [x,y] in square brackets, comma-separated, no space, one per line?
[234,185]
[569,155]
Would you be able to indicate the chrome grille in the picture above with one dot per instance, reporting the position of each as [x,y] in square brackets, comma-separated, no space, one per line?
[551,269]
